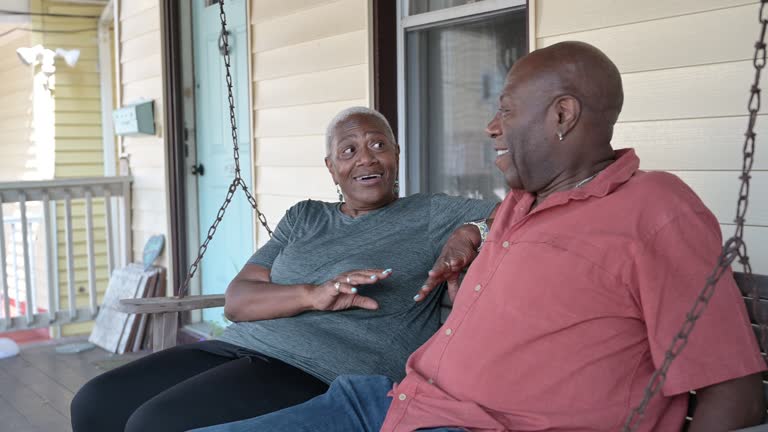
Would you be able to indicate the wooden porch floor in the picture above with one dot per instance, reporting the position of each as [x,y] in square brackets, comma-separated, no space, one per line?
[37,386]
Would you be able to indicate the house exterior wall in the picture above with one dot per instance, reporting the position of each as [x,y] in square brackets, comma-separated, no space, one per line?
[141,67]
[310,60]
[686,85]
[77,143]
[17,146]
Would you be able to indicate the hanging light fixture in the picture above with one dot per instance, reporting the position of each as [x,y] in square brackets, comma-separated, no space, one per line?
[40,55]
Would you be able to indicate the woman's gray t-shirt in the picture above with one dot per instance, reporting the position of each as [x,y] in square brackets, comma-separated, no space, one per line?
[315,242]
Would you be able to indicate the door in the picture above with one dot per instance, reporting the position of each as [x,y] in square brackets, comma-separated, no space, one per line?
[233,242]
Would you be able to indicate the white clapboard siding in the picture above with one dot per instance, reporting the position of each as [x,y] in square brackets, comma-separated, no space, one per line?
[299,120]
[334,18]
[299,182]
[316,55]
[685,40]
[554,17]
[714,90]
[139,24]
[692,144]
[300,151]
[310,61]
[141,76]
[312,88]
[719,191]
[269,9]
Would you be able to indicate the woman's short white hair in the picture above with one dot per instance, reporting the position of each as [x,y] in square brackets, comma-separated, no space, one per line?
[349,112]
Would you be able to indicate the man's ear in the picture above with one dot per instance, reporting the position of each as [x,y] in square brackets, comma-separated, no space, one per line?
[329,165]
[568,111]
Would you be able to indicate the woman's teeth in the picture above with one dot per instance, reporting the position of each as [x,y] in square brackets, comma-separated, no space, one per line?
[502,152]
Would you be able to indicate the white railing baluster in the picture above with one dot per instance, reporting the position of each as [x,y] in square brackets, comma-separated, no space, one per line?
[49,252]
[3,271]
[29,296]
[15,266]
[109,236]
[70,257]
[17,243]
[89,247]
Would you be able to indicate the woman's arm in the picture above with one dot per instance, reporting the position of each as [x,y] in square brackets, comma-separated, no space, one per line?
[251,296]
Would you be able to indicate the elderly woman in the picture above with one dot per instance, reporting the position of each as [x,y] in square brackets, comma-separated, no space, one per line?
[331,293]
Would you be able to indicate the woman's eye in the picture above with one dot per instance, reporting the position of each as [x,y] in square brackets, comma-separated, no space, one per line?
[347,150]
[378,145]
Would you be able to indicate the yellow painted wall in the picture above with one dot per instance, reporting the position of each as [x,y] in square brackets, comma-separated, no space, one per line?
[17,146]
[686,82]
[310,60]
[77,138]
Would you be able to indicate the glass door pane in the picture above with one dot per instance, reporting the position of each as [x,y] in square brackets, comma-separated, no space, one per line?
[454,74]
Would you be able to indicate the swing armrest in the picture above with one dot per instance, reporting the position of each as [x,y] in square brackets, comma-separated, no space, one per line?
[153,305]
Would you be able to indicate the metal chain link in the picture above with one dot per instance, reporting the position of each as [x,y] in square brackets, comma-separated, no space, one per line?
[733,248]
[238,180]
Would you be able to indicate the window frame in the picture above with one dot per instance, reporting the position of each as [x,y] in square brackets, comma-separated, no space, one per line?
[412,177]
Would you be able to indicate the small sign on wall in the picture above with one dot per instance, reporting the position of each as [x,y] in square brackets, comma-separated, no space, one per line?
[136,119]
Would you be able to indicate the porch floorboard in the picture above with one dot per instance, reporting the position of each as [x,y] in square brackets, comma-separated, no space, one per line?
[37,386]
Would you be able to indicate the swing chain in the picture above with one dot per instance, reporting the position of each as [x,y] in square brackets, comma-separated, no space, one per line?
[238,181]
[734,248]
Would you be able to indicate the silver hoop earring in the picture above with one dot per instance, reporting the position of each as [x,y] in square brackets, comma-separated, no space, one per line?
[341,195]
[560,136]
[396,189]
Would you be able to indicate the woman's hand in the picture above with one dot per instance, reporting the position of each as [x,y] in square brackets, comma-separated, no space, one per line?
[458,252]
[340,293]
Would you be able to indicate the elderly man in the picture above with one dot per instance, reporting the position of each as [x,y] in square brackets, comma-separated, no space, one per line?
[582,283]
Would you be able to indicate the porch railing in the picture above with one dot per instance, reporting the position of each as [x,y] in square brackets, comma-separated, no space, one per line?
[30,212]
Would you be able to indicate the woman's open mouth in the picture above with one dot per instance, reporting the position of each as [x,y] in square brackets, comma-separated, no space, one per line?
[501,152]
[369,179]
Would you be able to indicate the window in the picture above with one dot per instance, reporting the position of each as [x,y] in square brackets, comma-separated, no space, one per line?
[421,6]
[453,73]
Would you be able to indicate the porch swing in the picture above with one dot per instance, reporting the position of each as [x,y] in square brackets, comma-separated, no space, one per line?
[753,287]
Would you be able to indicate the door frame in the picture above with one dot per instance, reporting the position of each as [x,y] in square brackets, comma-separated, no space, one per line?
[173,121]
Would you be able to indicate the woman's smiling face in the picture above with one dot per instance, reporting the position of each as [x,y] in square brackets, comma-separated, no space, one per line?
[363,161]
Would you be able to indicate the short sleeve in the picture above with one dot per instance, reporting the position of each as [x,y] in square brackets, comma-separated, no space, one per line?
[671,270]
[448,212]
[281,236]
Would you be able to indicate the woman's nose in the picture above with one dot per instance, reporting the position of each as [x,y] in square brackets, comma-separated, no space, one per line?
[365,156]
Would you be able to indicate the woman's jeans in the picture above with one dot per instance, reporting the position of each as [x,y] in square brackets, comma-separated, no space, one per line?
[353,403]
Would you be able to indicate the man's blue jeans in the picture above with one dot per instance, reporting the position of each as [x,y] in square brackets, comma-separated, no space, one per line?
[353,403]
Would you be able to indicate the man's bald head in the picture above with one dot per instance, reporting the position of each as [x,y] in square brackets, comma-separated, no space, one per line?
[556,116]
[579,69]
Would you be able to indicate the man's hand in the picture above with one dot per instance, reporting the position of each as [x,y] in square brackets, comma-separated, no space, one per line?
[340,292]
[458,252]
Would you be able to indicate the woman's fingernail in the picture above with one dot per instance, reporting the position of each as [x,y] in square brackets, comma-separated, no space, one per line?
[387,271]
[373,277]
[354,290]
[424,288]
[417,296]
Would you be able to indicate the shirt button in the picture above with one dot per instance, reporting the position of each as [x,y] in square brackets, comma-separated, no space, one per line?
[402,396]
[505,244]
[448,332]
[478,287]
[431,381]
